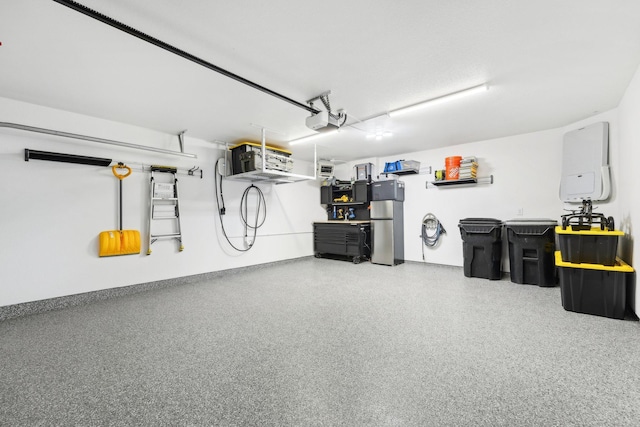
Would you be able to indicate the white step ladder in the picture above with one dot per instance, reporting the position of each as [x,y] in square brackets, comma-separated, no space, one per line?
[164,207]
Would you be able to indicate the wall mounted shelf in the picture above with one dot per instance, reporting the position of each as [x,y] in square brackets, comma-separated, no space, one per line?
[456,182]
[402,172]
[272,176]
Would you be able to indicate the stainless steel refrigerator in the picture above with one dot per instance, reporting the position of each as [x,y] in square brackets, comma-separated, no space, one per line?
[387,232]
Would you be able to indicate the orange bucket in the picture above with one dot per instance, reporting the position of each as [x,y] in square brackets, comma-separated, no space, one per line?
[452,167]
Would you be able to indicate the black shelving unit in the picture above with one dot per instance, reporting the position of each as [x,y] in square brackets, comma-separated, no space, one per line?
[356,194]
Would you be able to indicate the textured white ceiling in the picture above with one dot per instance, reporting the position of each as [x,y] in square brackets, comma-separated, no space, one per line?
[548,63]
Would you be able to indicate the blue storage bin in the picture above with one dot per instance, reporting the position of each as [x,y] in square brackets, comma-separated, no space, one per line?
[392,166]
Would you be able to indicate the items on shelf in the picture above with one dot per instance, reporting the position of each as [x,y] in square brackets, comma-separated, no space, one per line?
[452,167]
[459,171]
[346,200]
[402,167]
[247,157]
[364,172]
[468,168]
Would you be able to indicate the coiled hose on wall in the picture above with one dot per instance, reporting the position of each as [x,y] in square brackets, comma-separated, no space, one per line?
[432,229]
[261,209]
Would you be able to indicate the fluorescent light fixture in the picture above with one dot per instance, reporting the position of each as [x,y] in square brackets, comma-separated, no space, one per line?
[378,134]
[445,98]
[314,136]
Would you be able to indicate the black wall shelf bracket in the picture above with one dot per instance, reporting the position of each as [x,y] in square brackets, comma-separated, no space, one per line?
[456,182]
[194,171]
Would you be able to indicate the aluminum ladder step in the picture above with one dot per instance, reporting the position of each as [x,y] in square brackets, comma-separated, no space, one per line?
[164,195]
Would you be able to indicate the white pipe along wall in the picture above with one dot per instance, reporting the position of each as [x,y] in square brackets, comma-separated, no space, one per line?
[56,210]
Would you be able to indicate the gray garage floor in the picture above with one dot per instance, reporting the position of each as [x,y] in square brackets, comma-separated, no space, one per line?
[323,342]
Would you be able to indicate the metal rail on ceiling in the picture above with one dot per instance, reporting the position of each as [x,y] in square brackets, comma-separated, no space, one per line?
[159,43]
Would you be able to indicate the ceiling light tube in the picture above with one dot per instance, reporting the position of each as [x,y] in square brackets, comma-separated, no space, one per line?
[445,98]
[310,137]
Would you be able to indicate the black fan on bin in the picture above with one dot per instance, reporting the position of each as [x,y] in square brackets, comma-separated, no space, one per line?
[585,218]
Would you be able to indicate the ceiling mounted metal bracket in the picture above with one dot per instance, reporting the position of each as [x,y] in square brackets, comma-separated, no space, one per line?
[181,140]
[322,95]
[340,116]
[193,171]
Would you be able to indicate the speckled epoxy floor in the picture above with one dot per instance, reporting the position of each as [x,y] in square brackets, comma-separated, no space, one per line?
[321,342]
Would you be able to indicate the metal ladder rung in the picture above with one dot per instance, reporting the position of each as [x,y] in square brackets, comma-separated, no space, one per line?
[168,207]
[165,236]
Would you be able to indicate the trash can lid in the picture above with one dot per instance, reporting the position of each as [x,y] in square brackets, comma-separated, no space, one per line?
[531,221]
[481,221]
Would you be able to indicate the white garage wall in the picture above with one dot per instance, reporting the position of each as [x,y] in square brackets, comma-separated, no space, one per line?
[526,171]
[52,213]
[629,200]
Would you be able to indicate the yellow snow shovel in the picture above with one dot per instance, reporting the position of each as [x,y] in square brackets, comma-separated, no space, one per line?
[120,242]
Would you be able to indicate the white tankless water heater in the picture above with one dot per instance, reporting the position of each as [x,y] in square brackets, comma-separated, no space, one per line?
[585,164]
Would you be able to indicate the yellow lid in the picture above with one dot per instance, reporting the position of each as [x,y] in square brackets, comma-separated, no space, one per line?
[594,231]
[620,266]
[270,147]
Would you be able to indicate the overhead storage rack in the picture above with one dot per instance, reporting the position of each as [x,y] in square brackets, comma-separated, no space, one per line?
[264,174]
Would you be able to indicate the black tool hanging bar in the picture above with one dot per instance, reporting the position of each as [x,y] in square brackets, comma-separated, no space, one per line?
[159,43]
[65,158]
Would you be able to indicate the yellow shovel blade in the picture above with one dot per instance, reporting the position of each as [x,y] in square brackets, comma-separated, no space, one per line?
[117,242]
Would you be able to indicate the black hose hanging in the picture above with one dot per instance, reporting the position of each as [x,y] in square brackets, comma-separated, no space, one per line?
[261,209]
[159,43]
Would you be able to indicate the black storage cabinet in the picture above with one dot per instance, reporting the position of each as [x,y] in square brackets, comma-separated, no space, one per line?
[482,247]
[347,239]
[532,245]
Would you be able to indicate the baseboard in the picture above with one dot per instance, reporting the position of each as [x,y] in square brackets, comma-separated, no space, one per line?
[35,307]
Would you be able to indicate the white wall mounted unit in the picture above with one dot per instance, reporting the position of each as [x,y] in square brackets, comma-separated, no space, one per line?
[585,164]
[325,169]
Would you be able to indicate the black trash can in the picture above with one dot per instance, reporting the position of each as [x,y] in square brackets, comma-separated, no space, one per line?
[532,244]
[482,247]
